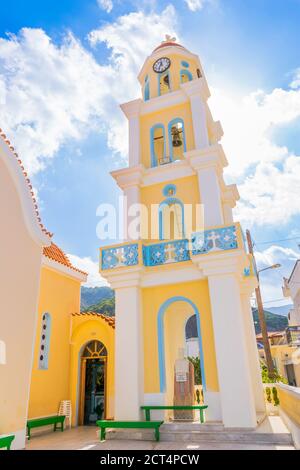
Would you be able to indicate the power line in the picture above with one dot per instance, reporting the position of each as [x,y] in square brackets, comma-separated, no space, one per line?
[277,241]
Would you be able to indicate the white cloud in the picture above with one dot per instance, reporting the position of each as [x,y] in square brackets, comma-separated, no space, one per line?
[271,281]
[91,267]
[53,93]
[106,5]
[269,191]
[195,5]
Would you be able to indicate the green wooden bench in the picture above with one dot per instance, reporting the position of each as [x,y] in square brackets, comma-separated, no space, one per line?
[5,442]
[37,423]
[201,408]
[103,425]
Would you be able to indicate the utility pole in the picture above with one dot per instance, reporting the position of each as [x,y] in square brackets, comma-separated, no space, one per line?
[261,315]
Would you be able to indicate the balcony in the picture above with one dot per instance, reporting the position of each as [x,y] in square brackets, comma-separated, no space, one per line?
[127,255]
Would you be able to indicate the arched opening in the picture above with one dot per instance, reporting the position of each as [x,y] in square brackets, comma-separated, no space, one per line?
[185,76]
[158,146]
[164,85]
[193,353]
[177,140]
[172,318]
[93,383]
[171,219]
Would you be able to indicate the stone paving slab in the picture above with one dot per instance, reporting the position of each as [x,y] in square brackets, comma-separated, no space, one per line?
[85,438]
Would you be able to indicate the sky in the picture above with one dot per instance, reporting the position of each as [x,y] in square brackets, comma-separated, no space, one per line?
[66,66]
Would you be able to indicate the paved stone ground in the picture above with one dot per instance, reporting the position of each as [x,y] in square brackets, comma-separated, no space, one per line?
[85,438]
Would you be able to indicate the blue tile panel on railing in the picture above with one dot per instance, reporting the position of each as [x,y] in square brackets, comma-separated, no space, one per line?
[120,256]
[166,253]
[219,239]
[173,251]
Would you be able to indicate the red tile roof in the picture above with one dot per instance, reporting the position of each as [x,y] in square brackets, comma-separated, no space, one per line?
[56,254]
[109,320]
[166,44]
[7,142]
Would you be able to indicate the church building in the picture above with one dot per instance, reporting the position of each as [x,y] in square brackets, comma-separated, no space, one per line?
[176,162]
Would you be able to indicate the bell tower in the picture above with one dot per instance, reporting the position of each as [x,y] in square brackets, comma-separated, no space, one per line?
[161,280]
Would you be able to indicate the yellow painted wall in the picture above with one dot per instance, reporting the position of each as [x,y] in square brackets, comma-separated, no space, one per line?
[174,71]
[182,111]
[290,404]
[59,296]
[187,191]
[85,329]
[19,286]
[153,298]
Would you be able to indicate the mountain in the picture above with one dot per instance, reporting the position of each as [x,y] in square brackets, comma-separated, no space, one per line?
[102,300]
[282,310]
[275,322]
[94,295]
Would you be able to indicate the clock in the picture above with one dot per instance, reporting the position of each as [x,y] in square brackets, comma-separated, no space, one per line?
[161,65]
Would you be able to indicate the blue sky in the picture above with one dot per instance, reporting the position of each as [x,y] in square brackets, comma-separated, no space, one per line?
[69,131]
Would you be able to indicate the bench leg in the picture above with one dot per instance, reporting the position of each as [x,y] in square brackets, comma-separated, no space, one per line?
[147,414]
[55,425]
[102,434]
[28,433]
[157,434]
[201,416]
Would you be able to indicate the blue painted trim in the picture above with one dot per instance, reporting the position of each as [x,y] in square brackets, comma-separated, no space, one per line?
[171,123]
[147,89]
[154,161]
[185,64]
[169,187]
[158,83]
[187,73]
[161,340]
[168,202]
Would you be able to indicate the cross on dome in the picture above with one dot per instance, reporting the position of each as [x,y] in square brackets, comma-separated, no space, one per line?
[169,39]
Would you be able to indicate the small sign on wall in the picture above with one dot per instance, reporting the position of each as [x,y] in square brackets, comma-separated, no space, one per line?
[181,377]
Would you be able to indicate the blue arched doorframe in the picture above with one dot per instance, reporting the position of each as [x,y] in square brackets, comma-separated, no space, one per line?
[161,340]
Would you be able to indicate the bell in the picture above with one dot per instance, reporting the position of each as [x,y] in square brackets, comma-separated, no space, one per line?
[177,142]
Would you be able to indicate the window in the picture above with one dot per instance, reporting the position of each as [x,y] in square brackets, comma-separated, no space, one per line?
[171,219]
[199,74]
[45,342]
[185,76]
[177,139]
[158,147]
[164,83]
[147,89]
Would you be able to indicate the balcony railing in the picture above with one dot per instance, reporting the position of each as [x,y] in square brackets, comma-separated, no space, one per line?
[173,251]
[166,253]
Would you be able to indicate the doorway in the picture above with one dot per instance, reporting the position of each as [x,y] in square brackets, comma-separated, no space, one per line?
[93,384]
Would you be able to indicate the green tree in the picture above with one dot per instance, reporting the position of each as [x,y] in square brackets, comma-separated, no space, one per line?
[197,369]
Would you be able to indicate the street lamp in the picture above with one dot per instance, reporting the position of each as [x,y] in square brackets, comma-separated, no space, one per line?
[260,310]
[274,266]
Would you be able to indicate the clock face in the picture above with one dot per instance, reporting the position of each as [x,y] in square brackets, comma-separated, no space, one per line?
[161,65]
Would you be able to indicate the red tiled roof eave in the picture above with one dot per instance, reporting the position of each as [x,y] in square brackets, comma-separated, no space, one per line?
[109,320]
[28,182]
[55,253]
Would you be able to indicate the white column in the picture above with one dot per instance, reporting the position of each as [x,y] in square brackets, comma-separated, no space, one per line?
[129,362]
[198,107]
[132,196]
[238,406]
[254,364]
[210,195]
[198,93]
[134,141]
[227,213]
[132,112]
